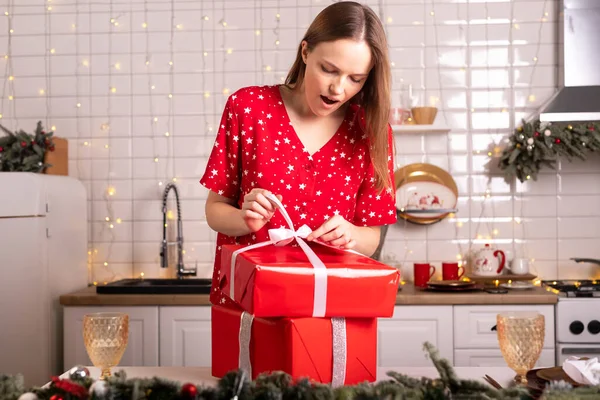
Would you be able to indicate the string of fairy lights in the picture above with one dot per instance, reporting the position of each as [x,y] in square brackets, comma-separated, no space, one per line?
[164,168]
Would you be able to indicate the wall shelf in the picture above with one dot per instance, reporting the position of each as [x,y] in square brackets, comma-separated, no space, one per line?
[420,129]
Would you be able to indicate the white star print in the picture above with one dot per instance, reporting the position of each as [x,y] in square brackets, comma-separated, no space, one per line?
[247,110]
[214,172]
[302,186]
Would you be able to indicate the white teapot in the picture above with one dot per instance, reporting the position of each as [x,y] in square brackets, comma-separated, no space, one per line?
[487,263]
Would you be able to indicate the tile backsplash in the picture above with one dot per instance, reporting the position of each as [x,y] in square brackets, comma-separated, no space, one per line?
[138,86]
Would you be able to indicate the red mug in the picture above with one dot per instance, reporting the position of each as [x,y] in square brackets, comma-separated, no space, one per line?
[451,271]
[423,273]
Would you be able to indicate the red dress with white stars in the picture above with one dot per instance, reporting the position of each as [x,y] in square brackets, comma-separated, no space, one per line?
[257,147]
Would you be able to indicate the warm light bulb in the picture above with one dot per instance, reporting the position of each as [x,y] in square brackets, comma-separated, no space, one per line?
[144,25]
[226,91]
[0,116]
[206,17]
[73,26]
[85,63]
[52,51]
[10,97]
[171,63]
[495,232]
[489,153]
[257,32]
[389,20]
[268,68]
[170,96]
[155,159]
[277,42]
[152,87]
[160,183]
[112,20]
[179,26]
[42,91]
[141,274]
[174,179]
[117,65]
[11,31]
[107,219]
[53,128]
[277,16]
[432,13]
[49,8]
[535,58]
[11,78]
[111,226]
[229,50]
[155,119]
[167,134]
[6,13]
[105,264]
[86,143]
[205,53]
[111,191]
[113,90]
[106,146]
[531,98]
[206,94]
[78,105]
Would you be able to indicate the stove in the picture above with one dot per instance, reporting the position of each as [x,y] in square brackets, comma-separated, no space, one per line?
[577,318]
[574,288]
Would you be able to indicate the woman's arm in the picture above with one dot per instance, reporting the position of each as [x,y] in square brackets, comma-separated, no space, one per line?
[223,216]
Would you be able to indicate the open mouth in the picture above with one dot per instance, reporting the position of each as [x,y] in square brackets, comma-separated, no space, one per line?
[327,100]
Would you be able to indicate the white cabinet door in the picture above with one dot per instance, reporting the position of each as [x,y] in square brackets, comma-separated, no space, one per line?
[473,324]
[493,358]
[401,338]
[185,336]
[142,346]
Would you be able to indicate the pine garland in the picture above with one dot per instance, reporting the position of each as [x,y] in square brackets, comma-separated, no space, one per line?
[280,386]
[535,145]
[23,152]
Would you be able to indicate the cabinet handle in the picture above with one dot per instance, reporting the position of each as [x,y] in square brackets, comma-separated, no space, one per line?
[493,328]
[580,350]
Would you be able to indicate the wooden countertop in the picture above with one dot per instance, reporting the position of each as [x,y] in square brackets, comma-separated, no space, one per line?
[408,296]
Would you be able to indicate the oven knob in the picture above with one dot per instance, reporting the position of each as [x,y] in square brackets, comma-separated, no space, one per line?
[594,327]
[576,327]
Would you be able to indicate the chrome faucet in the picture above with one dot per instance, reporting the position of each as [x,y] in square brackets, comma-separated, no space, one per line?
[587,260]
[181,270]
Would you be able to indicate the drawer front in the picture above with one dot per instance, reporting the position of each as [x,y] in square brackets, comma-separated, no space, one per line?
[473,324]
[493,358]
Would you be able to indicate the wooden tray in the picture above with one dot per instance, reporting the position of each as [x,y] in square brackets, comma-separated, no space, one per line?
[500,278]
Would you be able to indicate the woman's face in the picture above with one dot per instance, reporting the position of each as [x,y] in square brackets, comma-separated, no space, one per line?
[335,72]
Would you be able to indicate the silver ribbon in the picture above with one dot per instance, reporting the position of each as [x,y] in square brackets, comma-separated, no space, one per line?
[340,354]
[244,341]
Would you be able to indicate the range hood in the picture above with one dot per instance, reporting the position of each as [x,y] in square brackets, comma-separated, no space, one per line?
[579,64]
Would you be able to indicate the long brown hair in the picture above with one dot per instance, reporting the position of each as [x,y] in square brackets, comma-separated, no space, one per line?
[351,20]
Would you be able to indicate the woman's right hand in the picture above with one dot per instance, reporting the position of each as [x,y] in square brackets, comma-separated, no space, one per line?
[257,210]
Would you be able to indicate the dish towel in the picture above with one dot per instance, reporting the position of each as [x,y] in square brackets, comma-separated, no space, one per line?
[586,372]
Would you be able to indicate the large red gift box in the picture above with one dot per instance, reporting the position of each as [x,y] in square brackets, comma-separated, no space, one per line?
[301,347]
[280,282]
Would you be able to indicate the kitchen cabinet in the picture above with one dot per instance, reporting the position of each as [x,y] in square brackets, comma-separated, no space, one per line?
[142,346]
[401,338]
[476,342]
[181,335]
[185,336]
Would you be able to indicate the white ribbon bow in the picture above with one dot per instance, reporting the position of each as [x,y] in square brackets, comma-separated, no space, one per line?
[586,372]
[281,237]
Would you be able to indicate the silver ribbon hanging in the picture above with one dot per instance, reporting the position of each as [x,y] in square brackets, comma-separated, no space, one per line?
[339,351]
[244,341]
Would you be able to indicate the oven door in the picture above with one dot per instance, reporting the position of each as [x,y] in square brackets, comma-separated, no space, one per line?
[566,350]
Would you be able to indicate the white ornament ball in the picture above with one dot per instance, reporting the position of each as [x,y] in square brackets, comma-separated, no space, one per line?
[530,141]
[547,132]
[28,396]
[99,388]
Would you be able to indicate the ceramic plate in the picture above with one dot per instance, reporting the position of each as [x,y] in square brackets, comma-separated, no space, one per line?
[424,188]
[452,284]
[519,285]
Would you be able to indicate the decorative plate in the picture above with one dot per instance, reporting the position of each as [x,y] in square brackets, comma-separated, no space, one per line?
[425,193]
[452,284]
[519,285]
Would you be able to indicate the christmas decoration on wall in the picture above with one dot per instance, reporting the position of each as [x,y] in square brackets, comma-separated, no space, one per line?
[279,385]
[535,145]
[24,152]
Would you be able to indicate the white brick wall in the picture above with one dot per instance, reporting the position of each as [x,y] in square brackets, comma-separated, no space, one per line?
[468,54]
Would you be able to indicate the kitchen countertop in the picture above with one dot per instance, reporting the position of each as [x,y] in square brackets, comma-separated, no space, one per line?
[407,296]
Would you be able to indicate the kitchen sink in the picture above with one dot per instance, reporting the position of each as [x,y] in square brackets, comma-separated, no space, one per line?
[156,286]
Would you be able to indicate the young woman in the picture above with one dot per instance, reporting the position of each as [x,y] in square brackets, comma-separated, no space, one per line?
[321,143]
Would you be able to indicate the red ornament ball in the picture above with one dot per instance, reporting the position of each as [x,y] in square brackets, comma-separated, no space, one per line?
[56,397]
[51,148]
[189,390]
[43,132]
[557,141]
[23,144]
[536,134]
[1,149]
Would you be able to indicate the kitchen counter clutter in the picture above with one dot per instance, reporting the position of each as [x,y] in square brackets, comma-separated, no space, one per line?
[408,295]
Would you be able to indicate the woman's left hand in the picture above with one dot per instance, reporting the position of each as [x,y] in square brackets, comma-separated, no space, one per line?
[336,231]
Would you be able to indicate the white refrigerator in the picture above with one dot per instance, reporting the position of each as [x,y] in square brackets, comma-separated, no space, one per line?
[43,254]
